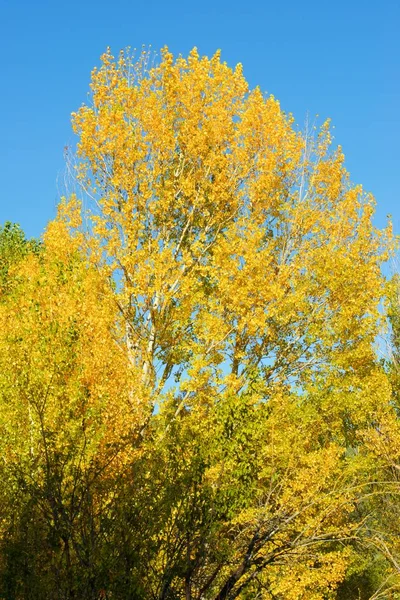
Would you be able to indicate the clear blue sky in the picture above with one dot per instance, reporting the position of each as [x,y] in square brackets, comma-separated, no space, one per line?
[337,59]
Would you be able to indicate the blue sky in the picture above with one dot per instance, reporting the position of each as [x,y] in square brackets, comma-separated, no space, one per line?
[335,59]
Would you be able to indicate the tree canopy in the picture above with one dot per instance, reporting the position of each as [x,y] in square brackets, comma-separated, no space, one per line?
[191,401]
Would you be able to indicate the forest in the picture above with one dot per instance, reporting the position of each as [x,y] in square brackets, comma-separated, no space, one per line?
[199,360]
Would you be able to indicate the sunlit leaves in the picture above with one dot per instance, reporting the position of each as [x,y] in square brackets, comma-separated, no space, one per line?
[189,386]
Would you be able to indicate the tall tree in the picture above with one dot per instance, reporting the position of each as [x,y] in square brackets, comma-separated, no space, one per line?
[247,270]
[195,366]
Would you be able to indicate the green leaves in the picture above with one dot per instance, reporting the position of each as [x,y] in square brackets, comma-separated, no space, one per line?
[13,247]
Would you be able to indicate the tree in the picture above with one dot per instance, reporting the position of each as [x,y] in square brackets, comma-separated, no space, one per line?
[384,443]
[247,267]
[64,419]
[234,239]
[224,299]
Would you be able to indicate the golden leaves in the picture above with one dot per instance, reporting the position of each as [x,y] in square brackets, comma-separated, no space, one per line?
[212,313]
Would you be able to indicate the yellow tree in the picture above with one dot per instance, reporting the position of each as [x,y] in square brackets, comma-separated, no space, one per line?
[247,271]
[383,442]
[235,241]
[241,272]
[65,417]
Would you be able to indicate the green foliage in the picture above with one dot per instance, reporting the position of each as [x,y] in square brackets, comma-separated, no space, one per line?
[13,247]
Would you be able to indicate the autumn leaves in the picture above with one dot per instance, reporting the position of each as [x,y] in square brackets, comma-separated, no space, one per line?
[190,392]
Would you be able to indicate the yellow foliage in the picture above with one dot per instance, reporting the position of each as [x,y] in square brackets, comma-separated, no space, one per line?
[200,339]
